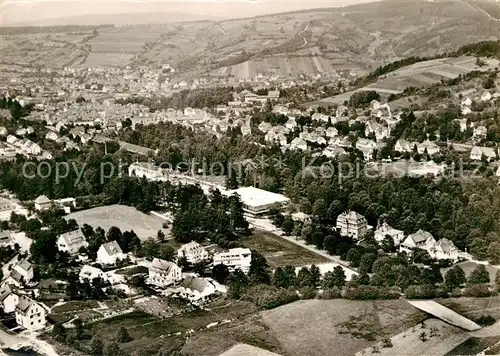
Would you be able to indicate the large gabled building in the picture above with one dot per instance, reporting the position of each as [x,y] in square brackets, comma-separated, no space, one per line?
[352,224]
[164,273]
[71,242]
[30,314]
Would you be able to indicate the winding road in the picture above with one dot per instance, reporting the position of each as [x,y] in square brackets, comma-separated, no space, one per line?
[300,34]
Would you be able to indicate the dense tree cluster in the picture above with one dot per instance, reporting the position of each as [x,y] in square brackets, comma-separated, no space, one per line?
[197,216]
[195,98]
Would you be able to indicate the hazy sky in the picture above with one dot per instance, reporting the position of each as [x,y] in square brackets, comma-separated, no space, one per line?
[15,11]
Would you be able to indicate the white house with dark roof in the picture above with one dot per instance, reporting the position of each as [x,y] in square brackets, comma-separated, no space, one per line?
[42,203]
[71,242]
[30,314]
[109,253]
[193,252]
[164,273]
[384,230]
[8,299]
[420,239]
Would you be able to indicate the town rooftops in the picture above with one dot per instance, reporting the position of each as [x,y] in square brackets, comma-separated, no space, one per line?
[112,248]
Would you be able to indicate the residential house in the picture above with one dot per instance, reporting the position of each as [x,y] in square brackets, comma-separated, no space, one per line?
[234,259]
[428,146]
[193,252]
[298,144]
[333,151]
[3,131]
[301,217]
[466,102]
[480,133]
[331,132]
[291,123]
[380,131]
[403,146]
[30,314]
[384,230]
[486,96]
[444,249]
[195,290]
[11,139]
[264,127]
[89,273]
[42,203]
[31,148]
[8,299]
[477,153]
[466,110]
[71,242]
[51,135]
[22,272]
[353,224]
[109,253]
[164,273]
[367,147]
[420,239]
[498,172]
[320,117]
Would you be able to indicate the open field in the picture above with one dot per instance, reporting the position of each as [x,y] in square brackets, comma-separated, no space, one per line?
[312,328]
[54,50]
[280,252]
[150,333]
[124,217]
[418,75]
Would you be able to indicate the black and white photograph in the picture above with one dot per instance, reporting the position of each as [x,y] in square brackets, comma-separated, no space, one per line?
[249,177]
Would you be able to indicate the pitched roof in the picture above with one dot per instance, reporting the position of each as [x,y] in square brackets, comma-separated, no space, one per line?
[42,199]
[73,237]
[24,304]
[446,245]
[163,265]
[5,291]
[112,248]
[25,265]
[420,236]
[195,283]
